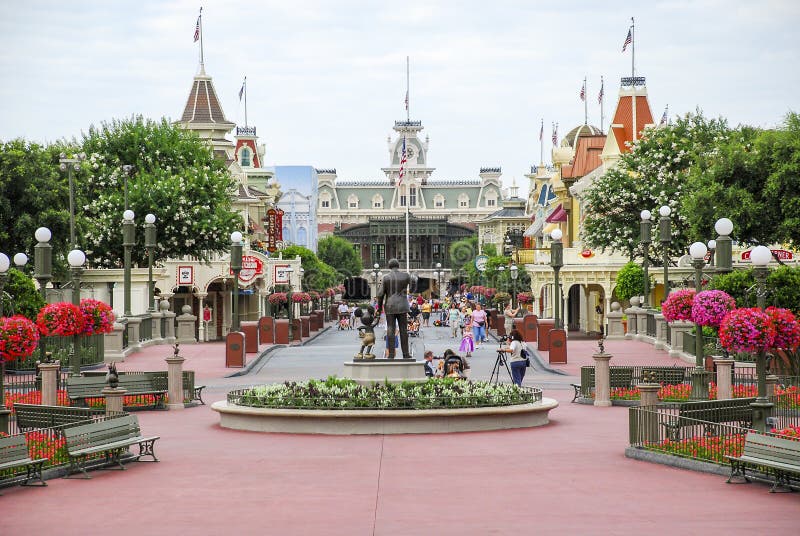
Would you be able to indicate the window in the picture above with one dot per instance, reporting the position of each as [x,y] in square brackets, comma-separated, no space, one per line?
[325,200]
[377,201]
[301,236]
[352,201]
[378,252]
[325,203]
[490,197]
[463,201]
[245,157]
[402,200]
[438,201]
[435,250]
[490,202]
[412,196]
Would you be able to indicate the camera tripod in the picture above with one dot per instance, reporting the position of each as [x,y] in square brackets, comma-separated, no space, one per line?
[500,361]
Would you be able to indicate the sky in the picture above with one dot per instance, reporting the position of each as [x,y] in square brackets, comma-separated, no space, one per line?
[327,79]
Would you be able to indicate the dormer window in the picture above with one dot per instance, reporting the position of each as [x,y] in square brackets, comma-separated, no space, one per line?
[245,157]
[352,201]
[463,201]
[438,201]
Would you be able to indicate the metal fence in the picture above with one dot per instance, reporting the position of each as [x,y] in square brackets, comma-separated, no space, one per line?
[651,324]
[90,349]
[146,327]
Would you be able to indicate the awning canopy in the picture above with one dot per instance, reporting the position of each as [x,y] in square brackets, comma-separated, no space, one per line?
[558,215]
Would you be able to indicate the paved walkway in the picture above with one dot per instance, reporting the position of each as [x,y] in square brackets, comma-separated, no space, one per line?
[568,477]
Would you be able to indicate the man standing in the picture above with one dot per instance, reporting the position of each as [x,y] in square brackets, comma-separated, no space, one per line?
[392,300]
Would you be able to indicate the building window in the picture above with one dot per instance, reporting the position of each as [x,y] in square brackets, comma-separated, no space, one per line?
[377,201]
[490,202]
[402,200]
[352,201]
[378,252]
[245,157]
[412,196]
[463,201]
[435,250]
[325,200]
[438,201]
[325,203]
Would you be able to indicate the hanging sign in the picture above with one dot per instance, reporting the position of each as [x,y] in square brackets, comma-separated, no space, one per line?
[272,230]
[782,254]
[278,225]
[251,267]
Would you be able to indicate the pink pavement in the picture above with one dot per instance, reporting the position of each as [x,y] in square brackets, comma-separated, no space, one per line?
[568,477]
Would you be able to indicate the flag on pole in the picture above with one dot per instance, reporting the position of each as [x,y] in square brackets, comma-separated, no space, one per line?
[197,30]
[600,95]
[583,91]
[541,131]
[406,100]
[555,134]
[664,116]
[241,91]
[628,40]
[402,164]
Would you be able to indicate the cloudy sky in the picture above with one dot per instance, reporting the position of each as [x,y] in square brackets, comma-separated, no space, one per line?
[327,79]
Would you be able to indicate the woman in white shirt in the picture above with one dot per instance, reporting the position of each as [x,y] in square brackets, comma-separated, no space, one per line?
[516,361]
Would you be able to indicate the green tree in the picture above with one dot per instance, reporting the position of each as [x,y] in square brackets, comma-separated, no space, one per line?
[738,284]
[316,274]
[340,254]
[630,281]
[174,176]
[20,296]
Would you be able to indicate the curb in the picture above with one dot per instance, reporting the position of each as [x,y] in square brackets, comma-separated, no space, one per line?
[260,357]
[675,461]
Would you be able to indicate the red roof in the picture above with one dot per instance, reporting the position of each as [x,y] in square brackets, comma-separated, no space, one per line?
[587,157]
[203,106]
[558,215]
[624,116]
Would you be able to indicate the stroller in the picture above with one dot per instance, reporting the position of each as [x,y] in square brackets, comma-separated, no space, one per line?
[344,321]
[413,326]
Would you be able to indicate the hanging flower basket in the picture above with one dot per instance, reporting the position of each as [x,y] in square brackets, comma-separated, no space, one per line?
[277,298]
[524,297]
[747,330]
[301,297]
[502,297]
[97,317]
[489,292]
[710,307]
[315,296]
[18,337]
[678,305]
[60,319]
[787,329]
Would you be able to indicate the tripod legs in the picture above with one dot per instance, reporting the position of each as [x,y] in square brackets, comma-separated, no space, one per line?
[498,362]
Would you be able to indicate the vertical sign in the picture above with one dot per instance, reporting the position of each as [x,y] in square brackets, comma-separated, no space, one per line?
[272,216]
[279,225]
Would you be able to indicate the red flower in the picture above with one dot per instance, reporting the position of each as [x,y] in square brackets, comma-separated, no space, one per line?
[747,330]
[787,329]
[97,316]
[18,337]
[62,318]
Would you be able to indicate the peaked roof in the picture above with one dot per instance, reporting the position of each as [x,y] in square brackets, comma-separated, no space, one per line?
[558,215]
[587,157]
[622,125]
[202,106]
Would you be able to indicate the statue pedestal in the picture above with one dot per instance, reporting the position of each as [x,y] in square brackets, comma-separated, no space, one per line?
[368,371]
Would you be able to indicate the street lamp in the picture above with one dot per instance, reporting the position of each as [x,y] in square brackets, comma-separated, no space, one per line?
[514,275]
[438,275]
[665,237]
[376,272]
[5,264]
[760,257]
[42,259]
[289,305]
[723,249]
[149,246]
[645,229]
[76,258]
[68,165]
[127,172]
[557,261]
[698,252]
[712,247]
[128,241]
[236,267]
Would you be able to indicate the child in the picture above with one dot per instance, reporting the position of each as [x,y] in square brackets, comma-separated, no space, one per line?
[467,342]
[386,342]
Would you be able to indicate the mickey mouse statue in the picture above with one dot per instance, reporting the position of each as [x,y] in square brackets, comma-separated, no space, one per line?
[368,322]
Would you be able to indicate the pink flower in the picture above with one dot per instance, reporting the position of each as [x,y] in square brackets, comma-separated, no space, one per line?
[678,305]
[709,307]
[787,329]
[747,330]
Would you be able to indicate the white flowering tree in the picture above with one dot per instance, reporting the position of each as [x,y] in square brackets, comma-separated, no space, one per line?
[651,175]
[173,175]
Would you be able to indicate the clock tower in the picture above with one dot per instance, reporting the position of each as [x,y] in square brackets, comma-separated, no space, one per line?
[416,168]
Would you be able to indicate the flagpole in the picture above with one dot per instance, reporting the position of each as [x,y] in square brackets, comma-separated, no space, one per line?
[408,251]
[245,101]
[541,143]
[601,104]
[633,81]
[408,87]
[633,48]
[585,102]
[202,66]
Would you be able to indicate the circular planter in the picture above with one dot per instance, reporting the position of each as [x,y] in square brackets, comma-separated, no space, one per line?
[383,422]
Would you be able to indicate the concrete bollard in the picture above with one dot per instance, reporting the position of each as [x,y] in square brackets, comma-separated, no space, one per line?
[615,331]
[772,382]
[50,382]
[602,379]
[724,388]
[175,380]
[186,326]
[114,397]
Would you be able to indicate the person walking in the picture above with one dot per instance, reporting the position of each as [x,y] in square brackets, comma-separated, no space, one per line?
[454,318]
[517,362]
[426,313]
[479,324]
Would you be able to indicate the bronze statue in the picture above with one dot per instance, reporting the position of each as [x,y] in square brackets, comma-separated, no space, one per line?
[368,323]
[112,378]
[393,300]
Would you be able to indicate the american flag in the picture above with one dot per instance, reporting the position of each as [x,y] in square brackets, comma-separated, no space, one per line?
[197,30]
[402,164]
[406,100]
[241,91]
[583,92]
[555,133]
[664,117]
[600,95]
[628,40]
[541,131]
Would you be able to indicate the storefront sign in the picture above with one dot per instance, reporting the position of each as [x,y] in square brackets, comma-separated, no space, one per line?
[251,267]
[781,254]
[272,226]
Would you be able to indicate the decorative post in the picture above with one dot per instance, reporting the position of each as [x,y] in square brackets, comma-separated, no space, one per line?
[557,261]
[75,258]
[648,399]
[175,380]
[68,165]
[762,407]
[723,250]
[665,237]
[113,394]
[724,388]
[43,267]
[698,252]
[602,376]
[149,246]
[128,241]
[645,229]
[49,370]
[514,275]
[289,305]
[236,267]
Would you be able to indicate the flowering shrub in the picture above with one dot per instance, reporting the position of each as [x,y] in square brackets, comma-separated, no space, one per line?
[787,329]
[301,297]
[790,431]
[678,305]
[315,296]
[747,330]
[18,337]
[33,397]
[709,307]
[489,292]
[62,318]
[524,297]
[502,297]
[711,448]
[277,298]
[97,317]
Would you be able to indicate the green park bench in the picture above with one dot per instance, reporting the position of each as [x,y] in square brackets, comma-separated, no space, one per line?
[112,437]
[619,377]
[32,416]
[736,411]
[768,454]
[14,454]
[665,375]
[81,388]
[191,392]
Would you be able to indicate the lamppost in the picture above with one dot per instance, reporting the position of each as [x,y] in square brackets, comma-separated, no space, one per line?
[665,237]
[127,172]
[149,246]
[514,275]
[762,407]
[68,165]
[645,229]
[5,264]
[500,271]
[128,241]
[723,248]
[289,305]
[76,258]
[236,267]
[557,261]
[376,272]
[438,275]
[712,246]
[698,252]
[42,259]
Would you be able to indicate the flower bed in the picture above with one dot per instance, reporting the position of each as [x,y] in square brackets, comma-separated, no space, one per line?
[683,391]
[62,399]
[338,393]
